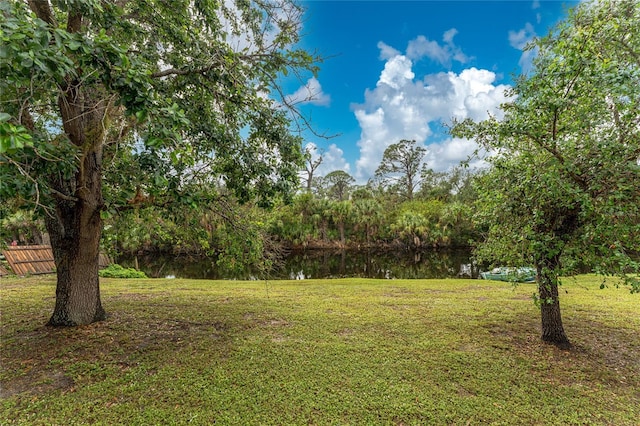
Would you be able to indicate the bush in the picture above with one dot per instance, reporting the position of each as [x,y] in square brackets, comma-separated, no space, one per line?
[117,271]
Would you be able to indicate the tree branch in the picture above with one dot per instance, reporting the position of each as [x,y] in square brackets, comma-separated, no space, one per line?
[57,194]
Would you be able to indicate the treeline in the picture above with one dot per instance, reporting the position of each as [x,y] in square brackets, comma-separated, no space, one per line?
[410,207]
[354,216]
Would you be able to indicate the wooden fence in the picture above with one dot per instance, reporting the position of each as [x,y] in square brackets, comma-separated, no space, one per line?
[25,260]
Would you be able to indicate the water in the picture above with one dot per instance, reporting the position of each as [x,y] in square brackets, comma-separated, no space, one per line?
[320,264]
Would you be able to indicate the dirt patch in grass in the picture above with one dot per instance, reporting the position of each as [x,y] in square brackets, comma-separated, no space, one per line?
[36,382]
[37,361]
[599,353]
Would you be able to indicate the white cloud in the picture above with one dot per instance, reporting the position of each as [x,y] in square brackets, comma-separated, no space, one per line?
[396,73]
[333,159]
[422,47]
[386,51]
[443,155]
[519,40]
[310,93]
[448,35]
[403,107]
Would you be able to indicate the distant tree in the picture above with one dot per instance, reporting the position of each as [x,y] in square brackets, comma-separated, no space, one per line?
[368,216]
[321,216]
[563,187]
[435,185]
[341,212]
[400,167]
[311,165]
[338,184]
[178,96]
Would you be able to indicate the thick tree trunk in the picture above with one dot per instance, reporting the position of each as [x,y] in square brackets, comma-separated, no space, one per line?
[75,239]
[76,252]
[552,328]
[76,226]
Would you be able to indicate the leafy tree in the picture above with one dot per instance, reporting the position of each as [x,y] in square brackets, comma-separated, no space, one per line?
[435,185]
[178,96]
[400,167]
[563,186]
[341,212]
[368,215]
[412,228]
[321,216]
[338,184]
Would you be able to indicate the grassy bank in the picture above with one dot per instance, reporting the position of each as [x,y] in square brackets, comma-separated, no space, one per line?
[319,352]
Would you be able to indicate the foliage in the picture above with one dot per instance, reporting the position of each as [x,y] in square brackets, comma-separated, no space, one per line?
[565,179]
[400,167]
[21,226]
[563,187]
[348,351]
[116,271]
[173,103]
[140,62]
[337,185]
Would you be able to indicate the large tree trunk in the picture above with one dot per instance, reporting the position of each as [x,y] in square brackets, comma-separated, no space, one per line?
[559,226]
[76,226]
[552,328]
[75,242]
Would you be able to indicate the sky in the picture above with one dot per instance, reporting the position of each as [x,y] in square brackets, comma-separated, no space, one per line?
[398,70]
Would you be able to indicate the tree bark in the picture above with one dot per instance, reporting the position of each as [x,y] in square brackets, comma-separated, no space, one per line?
[76,253]
[76,227]
[551,319]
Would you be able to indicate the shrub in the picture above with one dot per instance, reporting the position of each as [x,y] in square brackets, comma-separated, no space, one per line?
[117,271]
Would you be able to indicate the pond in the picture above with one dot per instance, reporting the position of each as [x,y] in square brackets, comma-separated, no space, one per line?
[320,264]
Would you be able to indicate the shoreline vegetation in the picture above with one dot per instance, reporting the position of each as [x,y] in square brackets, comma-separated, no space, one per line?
[342,351]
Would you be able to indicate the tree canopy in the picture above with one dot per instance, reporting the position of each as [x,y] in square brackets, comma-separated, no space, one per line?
[400,167]
[563,188]
[168,100]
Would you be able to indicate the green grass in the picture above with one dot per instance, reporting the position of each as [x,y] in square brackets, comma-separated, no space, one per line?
[343,352]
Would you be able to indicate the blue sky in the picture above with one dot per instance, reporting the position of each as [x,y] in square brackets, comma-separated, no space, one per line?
[398,69]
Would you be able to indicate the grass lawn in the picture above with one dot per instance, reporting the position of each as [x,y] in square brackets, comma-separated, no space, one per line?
[343,352]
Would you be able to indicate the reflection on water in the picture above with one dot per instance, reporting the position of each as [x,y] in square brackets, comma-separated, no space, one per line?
[320,264]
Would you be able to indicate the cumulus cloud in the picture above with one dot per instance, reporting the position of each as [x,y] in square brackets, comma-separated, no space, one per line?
[386,51]
[422,47]
[519,40]
[403,107]
[310,93]
[441,156]
[333,159]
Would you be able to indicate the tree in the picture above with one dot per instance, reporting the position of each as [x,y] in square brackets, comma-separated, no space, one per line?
[341,212]
[368,214]
[311,164]
[337,185]
[400,166]
[183,95]
[563,186]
